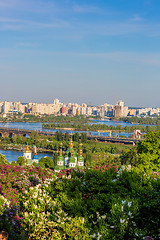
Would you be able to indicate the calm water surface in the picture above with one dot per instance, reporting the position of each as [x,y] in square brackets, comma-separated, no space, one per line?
[38,126]
[13,155]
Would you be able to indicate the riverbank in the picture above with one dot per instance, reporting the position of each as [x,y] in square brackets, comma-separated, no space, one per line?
[99,127]
[27,118]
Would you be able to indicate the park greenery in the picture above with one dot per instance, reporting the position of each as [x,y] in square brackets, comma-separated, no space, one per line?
[146,155]
[114,197]
[96,127]
[104,203]
[3,159]
[91,149]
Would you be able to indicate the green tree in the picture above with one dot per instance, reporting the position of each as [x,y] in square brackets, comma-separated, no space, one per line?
[83,137]
[46,162]
[3,159]
[129,157]
[148,152]
[66,136]
[88,160]
[34,137]
[20,161]
[14,139]
[14,163]
[55,156]
[6,140]
[76,137]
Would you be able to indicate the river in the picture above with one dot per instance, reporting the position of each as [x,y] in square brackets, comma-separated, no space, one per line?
[38,126]
[13,155]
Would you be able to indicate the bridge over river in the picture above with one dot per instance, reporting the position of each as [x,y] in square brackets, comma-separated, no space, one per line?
[10,132]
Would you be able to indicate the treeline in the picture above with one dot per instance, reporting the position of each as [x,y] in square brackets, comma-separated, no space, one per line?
[54,143]
[95,127]
[44,118]
[94,152]
[142,120]
[145,154]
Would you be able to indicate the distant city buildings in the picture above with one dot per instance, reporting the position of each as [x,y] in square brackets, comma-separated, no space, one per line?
[118,110]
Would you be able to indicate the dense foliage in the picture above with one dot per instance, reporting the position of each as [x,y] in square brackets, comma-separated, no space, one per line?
[3,159]
[146,155]
[53,143]
[43,118]
[105,203]
[142,120]
[96,127]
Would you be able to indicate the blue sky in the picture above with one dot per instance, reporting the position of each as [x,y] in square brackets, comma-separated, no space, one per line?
[91,51]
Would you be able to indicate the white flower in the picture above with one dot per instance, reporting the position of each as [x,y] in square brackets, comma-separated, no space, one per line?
[114,180]
[94,222]
[26,214]
[129,213]
[129,167]
[123,167]
[35,195]
[99,236]
[93,236]
[82,220]
[122,220]
[6,202]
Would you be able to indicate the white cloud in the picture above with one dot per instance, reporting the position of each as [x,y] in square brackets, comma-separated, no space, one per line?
[38,6]
[30,25]
[85,9]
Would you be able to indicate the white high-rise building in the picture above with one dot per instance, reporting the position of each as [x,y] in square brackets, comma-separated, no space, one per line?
[56,101]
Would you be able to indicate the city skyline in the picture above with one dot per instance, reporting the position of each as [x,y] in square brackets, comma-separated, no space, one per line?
[59,108]
[80,51]
[71,102]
